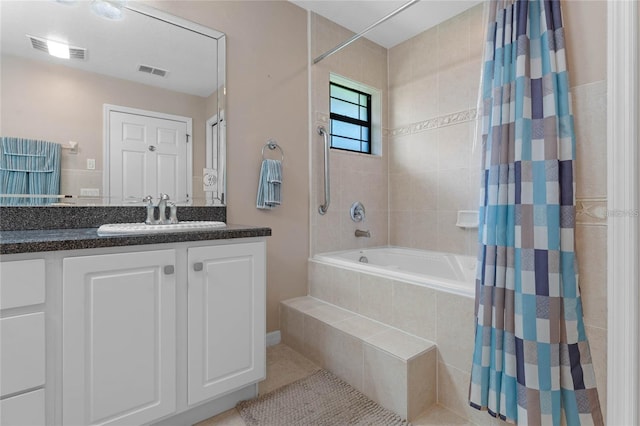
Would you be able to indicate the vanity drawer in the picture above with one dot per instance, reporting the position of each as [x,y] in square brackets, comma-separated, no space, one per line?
[23,410]
[22,283]
[22,353]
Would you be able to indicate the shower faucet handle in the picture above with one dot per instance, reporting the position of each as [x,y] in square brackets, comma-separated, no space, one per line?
[357,212]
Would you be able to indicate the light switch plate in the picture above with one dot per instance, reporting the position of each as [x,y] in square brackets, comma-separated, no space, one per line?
[89,192]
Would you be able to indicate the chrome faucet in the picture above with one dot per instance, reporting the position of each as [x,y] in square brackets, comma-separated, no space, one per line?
[361,233]
[162,211]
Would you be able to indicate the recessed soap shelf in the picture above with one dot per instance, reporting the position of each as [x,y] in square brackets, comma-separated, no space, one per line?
[467,219]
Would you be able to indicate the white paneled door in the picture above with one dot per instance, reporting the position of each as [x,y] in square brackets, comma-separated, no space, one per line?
[148,154]
[226,318]
[119,338]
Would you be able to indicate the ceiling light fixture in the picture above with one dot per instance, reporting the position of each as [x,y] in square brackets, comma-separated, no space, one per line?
[110,9]
[57,49]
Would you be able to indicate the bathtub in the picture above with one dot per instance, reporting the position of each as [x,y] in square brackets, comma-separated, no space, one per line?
[446,272]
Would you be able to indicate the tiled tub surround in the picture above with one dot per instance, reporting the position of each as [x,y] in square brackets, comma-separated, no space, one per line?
[391,367]
[433,160]
[420,312]
[354,176]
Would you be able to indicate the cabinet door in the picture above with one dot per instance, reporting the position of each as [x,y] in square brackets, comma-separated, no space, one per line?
[26,409]
[22,283]
[226,340]
[119,348]
[22,353]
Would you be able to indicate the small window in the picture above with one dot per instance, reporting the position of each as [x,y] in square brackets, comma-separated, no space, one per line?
[350,114]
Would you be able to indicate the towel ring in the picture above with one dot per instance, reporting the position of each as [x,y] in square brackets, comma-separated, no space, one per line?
[272,144]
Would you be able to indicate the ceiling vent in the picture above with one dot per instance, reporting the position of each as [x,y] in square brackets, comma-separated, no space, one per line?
[152,70]
[41,45]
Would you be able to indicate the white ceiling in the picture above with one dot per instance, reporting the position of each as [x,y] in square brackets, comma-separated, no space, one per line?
[114,48]
[356,15]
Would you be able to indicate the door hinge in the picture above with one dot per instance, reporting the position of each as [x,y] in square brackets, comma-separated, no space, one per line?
[188,136]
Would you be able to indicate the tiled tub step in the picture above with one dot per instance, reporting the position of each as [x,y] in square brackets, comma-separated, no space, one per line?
[393,368]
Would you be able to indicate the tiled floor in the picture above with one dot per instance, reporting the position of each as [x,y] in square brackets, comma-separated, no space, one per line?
[284,366]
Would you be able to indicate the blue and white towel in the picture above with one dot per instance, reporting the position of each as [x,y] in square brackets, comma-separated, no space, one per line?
[269,186]
[29,167]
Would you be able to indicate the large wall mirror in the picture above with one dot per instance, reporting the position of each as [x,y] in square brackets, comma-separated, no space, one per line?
[138,107]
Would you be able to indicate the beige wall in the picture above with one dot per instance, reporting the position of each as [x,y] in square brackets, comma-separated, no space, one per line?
[354,177]
[266,98]
[66,104]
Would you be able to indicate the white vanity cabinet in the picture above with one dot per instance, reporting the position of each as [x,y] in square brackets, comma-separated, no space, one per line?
[173,333]
[119,338]
[22,342]
[226,318]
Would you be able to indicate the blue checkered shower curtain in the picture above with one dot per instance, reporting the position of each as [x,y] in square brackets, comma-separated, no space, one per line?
[531,361]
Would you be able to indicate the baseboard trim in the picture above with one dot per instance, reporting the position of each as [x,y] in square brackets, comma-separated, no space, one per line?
[273,338]
[210,408]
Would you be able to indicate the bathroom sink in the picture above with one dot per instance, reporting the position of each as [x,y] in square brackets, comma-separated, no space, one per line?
[143,228]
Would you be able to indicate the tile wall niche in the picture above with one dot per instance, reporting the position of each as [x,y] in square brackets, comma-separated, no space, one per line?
[354,177]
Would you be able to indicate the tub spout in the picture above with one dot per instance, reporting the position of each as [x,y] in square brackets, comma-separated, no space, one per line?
[361,233]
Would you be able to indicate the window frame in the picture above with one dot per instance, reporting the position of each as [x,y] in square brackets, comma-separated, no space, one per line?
[350,120]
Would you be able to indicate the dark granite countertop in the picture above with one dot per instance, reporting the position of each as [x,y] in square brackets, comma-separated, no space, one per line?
[31,241]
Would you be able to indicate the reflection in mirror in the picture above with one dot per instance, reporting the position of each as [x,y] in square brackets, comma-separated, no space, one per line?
[137,109]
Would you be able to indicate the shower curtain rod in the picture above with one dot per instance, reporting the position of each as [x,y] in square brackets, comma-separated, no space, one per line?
[363,32]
